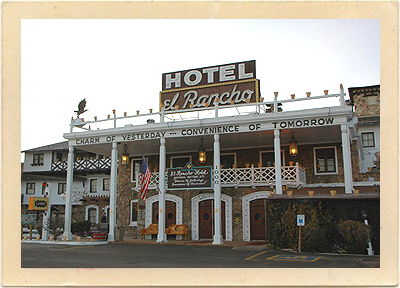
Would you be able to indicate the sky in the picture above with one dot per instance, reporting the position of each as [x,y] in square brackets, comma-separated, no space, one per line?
[117,64]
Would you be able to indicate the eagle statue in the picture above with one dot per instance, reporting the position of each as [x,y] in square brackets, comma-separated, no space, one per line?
[81,107]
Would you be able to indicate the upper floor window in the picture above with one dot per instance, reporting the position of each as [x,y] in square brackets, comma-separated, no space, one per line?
[106,184]
[268,158]
[180,161]
[93,185]
[368,139]
[228,160]
[136,169]
[30,188]
[38,159]
[62,188]
[325,160]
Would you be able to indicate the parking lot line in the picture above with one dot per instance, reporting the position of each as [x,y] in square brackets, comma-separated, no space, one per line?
[258,254]
[72,248]
[294,258]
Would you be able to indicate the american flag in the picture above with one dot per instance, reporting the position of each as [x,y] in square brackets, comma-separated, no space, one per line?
[145,180]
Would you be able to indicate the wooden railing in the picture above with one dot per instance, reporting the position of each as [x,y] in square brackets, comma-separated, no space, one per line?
[86,164]
[243,177]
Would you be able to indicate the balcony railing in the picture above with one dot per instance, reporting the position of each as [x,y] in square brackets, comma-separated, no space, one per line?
[86,164]
[294,176]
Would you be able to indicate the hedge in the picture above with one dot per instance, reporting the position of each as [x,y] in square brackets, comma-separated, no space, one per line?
[324,230]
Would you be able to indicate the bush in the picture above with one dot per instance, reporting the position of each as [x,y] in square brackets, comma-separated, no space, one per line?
[81,227]
[355,236]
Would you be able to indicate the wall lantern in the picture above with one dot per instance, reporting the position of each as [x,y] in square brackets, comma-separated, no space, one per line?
[125,156]
[293,147]
[202,153]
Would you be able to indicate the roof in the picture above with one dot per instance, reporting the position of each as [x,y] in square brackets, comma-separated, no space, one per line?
[368,120]
[52,147]
[368,90]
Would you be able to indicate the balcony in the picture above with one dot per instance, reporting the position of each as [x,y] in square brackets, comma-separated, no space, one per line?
[293,176]
[84,164]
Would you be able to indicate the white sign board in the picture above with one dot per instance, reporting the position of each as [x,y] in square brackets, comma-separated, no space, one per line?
[301,220]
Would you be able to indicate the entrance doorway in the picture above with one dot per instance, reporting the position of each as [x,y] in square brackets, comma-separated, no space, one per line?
[258,228]
[170,212]
[206,219]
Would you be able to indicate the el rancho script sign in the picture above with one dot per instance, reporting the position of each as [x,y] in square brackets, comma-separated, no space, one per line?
[189,177]
[227,84]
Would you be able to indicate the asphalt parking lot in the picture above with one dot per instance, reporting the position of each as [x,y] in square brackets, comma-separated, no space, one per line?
[181,256]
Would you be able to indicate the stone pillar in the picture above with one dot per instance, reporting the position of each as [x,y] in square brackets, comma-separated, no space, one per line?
[113,192]
[68,197]
[162,237]
[348,176]
[278,169]
[217,238]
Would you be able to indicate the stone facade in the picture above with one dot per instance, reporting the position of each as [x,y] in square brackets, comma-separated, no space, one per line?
[366,100]
[305,158]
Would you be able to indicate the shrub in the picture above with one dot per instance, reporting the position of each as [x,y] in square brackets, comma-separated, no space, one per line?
[81,227]
[355,236]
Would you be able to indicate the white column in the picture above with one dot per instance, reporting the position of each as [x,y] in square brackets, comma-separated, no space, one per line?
[162,237]
[278,169]
[113,192]
[68,198]
[348,175]
[46,216]
[217,238]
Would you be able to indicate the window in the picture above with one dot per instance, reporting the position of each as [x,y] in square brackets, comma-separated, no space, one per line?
[325,160]
[93,185]
[136,168]
[106,184]
[62,188]
[59,156]
[92,215]
[134,212]
[38,159]
[180,161]
[268,158]
[228,160]
[368,139]
[30,188]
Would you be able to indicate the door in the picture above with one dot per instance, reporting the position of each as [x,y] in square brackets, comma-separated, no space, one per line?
[257,220]
[170,211]
[206,219]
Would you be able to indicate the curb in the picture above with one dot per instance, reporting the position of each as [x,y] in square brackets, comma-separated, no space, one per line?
[64,243]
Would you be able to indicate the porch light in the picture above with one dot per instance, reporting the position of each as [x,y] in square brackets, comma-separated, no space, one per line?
[293,147]
[202,153]
[125,156]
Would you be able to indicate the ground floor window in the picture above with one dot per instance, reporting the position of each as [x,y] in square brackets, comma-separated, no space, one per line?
[134,208]
[92,214]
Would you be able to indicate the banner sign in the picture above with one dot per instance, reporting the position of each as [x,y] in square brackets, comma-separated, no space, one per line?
[208,130]
[189,177]
[38,203]
[205,87]
[27,219]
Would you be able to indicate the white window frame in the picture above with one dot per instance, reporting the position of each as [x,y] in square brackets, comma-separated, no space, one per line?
[90,186]
[176,157]
[315,161]
[132,168]
[133,223]
[87,212]
[362,141]
[229,153]
[58,188]
[34,188]
[109,181]
[272,151]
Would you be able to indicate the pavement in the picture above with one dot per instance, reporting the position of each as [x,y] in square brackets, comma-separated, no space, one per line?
[236,245]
